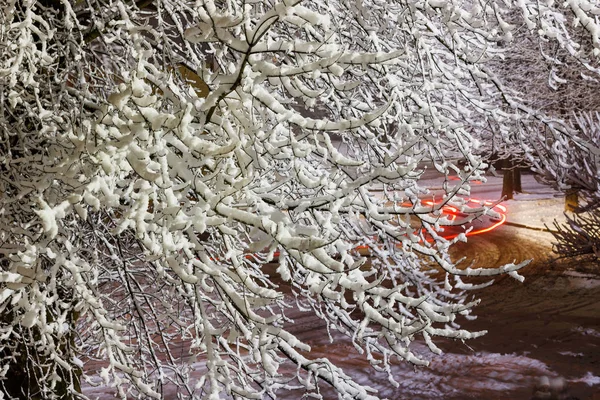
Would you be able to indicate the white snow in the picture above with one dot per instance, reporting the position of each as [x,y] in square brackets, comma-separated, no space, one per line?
[582,281]
[589,379]
[455,374]
[587,331]
[570,354]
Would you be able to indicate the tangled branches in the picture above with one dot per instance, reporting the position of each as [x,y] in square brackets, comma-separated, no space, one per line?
[580,236]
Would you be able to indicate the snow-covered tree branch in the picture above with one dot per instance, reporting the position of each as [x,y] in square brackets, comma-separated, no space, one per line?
[177,174]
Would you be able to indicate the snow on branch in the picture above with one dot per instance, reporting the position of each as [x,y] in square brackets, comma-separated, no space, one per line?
[178,178]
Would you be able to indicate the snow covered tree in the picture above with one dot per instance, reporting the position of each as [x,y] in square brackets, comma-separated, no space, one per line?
[573,164]
[577,171]
[551,73]
[559,81]
[159,156]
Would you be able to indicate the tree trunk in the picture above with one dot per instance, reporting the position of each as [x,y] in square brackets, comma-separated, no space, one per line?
[511,182]
[508,184]
[517,180]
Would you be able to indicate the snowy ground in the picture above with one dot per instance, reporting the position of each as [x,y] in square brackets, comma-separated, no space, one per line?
[545,330]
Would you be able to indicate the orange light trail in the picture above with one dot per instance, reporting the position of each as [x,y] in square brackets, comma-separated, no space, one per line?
[499,208]
[450,211]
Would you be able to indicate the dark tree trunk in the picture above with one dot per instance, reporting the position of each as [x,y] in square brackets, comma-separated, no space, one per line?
[508,184]
[511,182]
[517,180]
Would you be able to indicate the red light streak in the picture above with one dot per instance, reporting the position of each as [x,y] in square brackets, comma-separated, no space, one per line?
[499,208]
[451,212]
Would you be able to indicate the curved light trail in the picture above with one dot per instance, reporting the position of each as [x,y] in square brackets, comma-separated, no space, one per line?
[452,212]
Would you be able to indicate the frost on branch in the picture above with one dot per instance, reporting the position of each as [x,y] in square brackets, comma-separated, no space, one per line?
[575,162]
[549,77]
[177,175]
[576,170]
[557,75]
